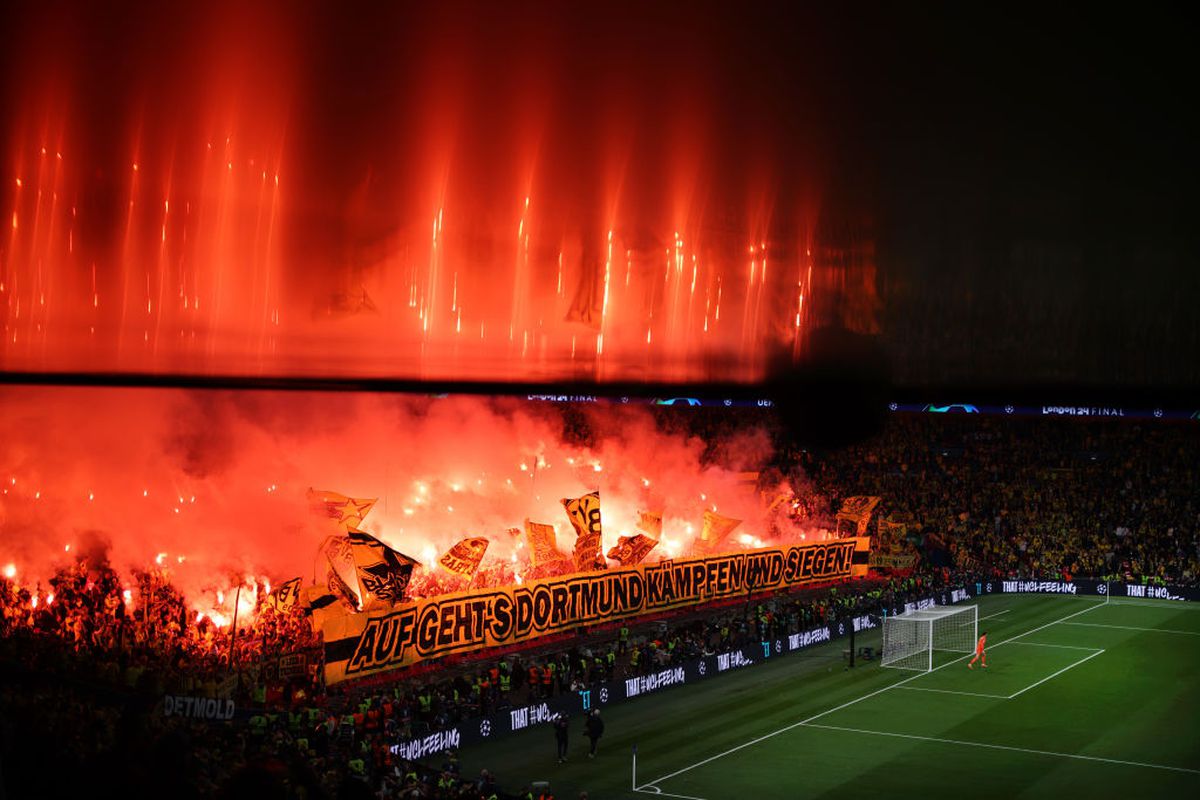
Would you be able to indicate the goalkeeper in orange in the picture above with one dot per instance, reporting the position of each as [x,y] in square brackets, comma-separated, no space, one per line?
[980,655]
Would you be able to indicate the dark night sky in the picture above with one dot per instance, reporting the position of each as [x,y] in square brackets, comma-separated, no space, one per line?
[1027,173]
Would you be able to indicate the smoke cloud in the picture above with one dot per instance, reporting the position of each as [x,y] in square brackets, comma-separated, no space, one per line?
[210,485]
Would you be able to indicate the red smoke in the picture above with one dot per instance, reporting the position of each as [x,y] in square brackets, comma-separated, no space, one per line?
[210,485]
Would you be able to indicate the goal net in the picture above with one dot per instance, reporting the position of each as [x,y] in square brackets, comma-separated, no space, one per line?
[911,639]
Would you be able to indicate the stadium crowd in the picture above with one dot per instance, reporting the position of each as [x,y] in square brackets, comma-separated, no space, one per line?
[84,682]
[83,671]
[1040,498]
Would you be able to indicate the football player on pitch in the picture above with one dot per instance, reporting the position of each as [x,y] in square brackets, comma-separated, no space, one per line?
[980,655]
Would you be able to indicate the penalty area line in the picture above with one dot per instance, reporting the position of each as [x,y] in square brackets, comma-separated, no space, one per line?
[998,613]
[1059,646]
[1056,674]
[950,691]
[1051,753]
[1133,628]
[1147,602]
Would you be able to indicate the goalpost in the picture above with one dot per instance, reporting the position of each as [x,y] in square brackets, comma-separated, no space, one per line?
[910,639]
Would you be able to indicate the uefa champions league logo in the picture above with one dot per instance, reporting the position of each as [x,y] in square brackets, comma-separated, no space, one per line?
[702,668]
[778,646]
[485,728]
[603,695]
[1102,589]
[841,628]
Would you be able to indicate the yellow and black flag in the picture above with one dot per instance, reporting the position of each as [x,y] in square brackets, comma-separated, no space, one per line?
[464,557]
[383,573]
[857,510]
[584,513]
[285,595]
[631,550]
[543,549]
[342,576]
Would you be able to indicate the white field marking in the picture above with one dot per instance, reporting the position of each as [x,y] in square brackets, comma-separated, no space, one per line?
[1062,646]
[654,790]
[1060,672]
[1010,748]
[950,691]
[1148,602]
[1134,628]
[766,736]
[998,613]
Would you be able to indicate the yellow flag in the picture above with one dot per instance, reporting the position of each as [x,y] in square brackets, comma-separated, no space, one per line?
[383,572]
[464,557]
[716,528]
[858,510]
[650,522]
[347,512]
[588,555]
[584,513]
[342,579]
[542,546]
[285,595]
[327,605]
[853,508]
[631,550]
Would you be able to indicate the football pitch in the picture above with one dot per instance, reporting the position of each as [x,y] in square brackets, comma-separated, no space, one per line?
[1079,698]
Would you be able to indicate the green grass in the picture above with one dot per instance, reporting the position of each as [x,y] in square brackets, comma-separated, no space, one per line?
[1080,698]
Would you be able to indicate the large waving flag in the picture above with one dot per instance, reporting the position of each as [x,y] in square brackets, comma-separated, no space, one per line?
[383,573]
[543,549]
[584,513]
[716,528]
[631,550]
[285,595]
[588,553]
[650,522]
[858,511]
[325,605]
[342,577]
[464,557]
[347,512]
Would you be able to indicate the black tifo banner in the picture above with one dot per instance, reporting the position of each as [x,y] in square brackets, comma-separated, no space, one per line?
[577,704]
[1089,588]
